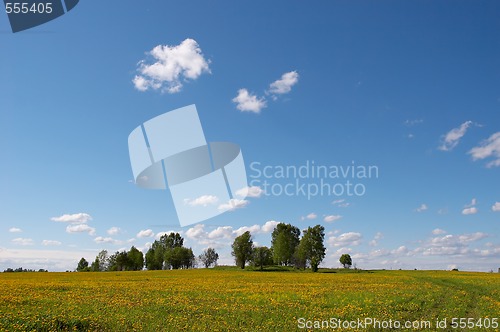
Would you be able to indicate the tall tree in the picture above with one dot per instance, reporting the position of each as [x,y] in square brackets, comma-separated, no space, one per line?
[136,259]
[82,266]
[242,249]
[346,261]
[311,246]
[285,239]
[262,256]
[209,257]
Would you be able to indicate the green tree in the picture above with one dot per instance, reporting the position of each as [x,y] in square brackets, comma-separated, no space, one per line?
[136,259]
[103,258]
[179,257]
[209,257]
[346,261]
[284,240]
[262,256]
[155,256]
[83,265]
[311,247]
[94,267]
[242,249]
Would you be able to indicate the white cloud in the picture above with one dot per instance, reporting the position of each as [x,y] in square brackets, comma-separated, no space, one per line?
[310,216]
[284,84]
[422,208]
[452,138]
[413,122]
[332,218]
[253,191]
[247,102]
[252,229]
[378,236]
[341,203]
[468,211]
[345,239]
[23,241]
[438,231]
[101,239]
[488,148]
[204,200]
[51,243]
[233,204]
[196,232]
[15,230]
[225,232]
[145,233]
[269,226]
[80,228]
[171,67]
[77,218]
[496,207]
[114,231]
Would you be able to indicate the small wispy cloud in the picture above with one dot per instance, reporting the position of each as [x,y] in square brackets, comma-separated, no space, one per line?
[80,228]
[496,207]
[15,230]
[310,216]
[253,192]
[145,233]
[204,200]
[284,84]
[114,231]
[422,208]
[23,241]
[233,204]
[488,148]
[332,218]
[77,218]
[452,138]
[51,243]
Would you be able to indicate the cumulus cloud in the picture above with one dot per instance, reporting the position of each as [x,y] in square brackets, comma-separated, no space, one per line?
[332,218]
[51,243]
[468,211]
[247,102]
[269,226]
[496,207]
[252,229]
[170,67]
[233,204]
[204,200]
[253,192]
[345,239]
[488,148]
[80,228]
[114,231]
[110,240]
[422,208]
[310,216]
[15,230]
[77,218]
[452,138]
[284,84]
[145,233]
[438,231]
[20,241]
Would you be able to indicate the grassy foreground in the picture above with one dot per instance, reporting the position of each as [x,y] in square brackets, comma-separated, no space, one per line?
[233,300]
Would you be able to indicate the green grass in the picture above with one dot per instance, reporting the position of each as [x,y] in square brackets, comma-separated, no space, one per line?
[230,299]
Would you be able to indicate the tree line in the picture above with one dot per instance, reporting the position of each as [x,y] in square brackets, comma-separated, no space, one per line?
[168,252]
[288,248]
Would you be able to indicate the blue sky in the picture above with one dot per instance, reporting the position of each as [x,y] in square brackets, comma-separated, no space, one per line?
[411,87]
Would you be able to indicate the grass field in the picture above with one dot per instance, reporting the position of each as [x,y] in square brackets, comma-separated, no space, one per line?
[234,300]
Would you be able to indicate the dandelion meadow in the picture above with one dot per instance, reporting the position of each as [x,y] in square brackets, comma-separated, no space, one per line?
[228,299]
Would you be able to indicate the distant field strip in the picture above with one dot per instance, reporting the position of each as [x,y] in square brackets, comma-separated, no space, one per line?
[233,300]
